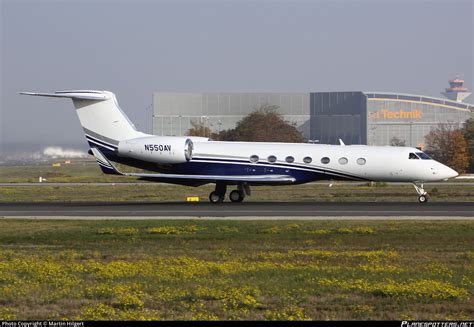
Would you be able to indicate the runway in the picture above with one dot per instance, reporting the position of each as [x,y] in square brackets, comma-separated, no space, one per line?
[278,210]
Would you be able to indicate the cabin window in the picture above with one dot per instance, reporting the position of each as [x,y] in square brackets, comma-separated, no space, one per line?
[361,161]
[254,158]
[423,156]
[272,159]
[343,161]
[325,160]
[289,159]
[412,156]
[307,160]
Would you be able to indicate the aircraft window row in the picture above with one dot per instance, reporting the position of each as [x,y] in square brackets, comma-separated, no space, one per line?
[325,160]
[343,161]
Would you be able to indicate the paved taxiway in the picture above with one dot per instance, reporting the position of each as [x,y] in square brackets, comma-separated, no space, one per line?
[289,210]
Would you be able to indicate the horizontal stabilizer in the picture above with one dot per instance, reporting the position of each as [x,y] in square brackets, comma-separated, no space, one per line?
[84,95]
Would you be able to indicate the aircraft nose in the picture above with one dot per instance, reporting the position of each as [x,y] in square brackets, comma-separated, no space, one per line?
[447,172]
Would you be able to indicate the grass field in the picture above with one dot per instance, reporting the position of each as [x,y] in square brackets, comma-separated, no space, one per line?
[76,172]
[236,269]
[151,192]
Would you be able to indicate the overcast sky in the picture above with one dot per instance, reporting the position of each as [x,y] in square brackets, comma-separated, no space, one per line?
[134,48]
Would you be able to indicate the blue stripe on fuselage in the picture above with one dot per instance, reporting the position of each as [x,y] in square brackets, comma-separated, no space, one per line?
[230,167]
[105,151]
[99,142]
[295,166]
[238,169]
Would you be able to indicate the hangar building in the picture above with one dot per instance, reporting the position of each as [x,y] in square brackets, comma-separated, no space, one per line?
[173,112]
[373,118]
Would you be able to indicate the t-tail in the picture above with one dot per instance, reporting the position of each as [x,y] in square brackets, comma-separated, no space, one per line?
[102,120]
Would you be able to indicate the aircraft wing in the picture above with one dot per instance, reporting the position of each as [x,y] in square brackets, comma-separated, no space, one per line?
[264,179]
[259,179]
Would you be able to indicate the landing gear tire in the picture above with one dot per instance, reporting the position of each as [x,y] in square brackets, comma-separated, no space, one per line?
[216,198]
[423,196]
[236,196]
[218,195]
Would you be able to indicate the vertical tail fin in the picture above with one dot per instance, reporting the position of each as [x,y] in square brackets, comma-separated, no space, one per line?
[104,123]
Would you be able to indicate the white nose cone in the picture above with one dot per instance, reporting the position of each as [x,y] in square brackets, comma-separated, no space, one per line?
[447,173]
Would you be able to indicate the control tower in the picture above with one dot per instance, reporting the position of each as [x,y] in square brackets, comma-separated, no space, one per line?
[456,92]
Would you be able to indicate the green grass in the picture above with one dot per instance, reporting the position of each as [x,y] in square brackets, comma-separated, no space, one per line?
[195,269]
[75,172]
[153,192]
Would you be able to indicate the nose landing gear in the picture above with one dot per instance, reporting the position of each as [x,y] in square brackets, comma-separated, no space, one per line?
[423,195]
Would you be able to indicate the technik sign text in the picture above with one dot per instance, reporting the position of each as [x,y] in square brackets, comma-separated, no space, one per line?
[397,114]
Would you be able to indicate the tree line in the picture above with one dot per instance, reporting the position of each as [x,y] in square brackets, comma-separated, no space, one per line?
[453,145]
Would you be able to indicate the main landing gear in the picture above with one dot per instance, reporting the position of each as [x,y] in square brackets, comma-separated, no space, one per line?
[217,196]
[423,195]
[238,195]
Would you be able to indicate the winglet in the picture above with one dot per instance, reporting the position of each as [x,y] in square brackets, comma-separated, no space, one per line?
[104,163]
[340,142]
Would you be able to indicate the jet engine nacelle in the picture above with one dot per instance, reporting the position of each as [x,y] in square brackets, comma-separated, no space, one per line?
[159,149]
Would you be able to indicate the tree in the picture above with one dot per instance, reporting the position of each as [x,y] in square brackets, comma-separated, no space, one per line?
[446,144]
[395,141]
[468,131]
[198,129]
[264,124]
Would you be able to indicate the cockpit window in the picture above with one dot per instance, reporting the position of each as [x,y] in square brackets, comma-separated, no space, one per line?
[413,156]
[423,156]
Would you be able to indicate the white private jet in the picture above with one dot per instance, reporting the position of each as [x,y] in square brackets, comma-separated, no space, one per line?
[196,161]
